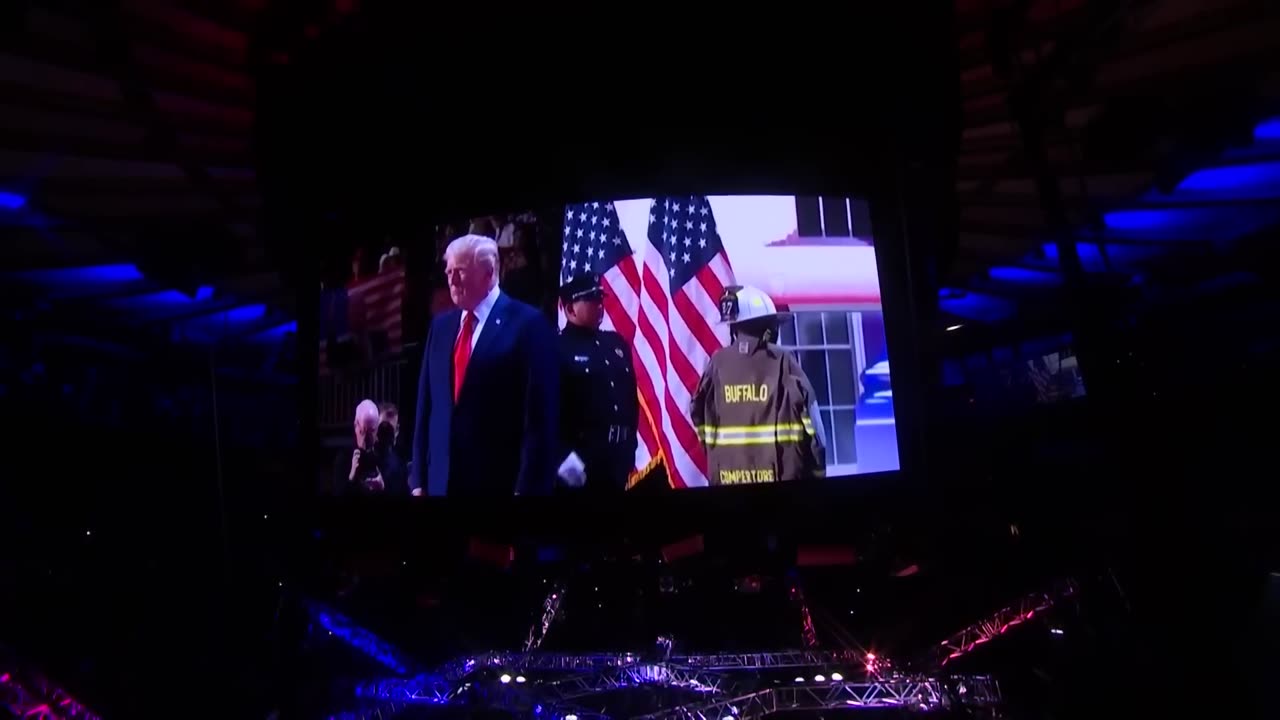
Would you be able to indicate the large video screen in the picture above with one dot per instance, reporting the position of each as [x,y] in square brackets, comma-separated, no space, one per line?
[608,347]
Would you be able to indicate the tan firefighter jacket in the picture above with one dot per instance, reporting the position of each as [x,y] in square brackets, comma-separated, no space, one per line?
[755,414]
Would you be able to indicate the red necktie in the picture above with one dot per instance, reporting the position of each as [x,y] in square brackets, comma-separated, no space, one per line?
[462,352]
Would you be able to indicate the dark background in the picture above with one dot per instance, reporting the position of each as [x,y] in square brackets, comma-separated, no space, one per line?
[154,550]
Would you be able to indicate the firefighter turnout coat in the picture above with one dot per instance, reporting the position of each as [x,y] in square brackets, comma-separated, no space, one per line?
[752,411]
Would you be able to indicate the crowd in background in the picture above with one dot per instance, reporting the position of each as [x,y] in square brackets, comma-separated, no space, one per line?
[528,272]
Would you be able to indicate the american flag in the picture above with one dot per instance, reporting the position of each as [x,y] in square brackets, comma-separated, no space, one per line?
[664,299]
[374,311]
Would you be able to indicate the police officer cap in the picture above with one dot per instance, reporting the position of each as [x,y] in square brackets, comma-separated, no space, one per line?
[583,286]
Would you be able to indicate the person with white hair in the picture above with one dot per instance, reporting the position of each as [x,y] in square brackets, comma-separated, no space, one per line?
[487,419]
[362,474]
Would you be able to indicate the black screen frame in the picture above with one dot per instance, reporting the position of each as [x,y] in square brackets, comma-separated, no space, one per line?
[443,167]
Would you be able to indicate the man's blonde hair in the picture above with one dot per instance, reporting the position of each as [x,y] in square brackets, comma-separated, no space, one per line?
[483,251]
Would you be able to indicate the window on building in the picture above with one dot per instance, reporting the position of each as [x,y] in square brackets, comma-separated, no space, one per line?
[830,348]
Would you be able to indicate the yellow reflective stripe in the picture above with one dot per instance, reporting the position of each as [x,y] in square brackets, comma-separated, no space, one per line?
[754,428]
[780,431]
[757,435]
[755,440]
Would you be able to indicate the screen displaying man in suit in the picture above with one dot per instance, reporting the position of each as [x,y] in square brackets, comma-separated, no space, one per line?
[488,395]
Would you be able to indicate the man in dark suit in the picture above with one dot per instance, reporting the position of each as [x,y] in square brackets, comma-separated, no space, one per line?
[488,396]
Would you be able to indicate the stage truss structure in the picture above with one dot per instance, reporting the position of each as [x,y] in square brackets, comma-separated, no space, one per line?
[741,686]
[808,633]
[716,686]
[912,693]
[997,624]
[35,697]
[550,608]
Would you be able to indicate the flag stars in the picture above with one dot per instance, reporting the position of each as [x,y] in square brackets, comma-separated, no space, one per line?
[588,229]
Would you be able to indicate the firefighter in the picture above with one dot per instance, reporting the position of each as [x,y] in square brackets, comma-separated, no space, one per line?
[754,409]
[598,403]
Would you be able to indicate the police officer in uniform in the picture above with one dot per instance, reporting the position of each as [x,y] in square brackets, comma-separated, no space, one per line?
[598,405]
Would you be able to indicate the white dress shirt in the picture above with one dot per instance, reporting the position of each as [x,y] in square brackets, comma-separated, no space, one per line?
[482,313]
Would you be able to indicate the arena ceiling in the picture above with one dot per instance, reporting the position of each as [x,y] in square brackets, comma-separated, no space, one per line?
[133,209]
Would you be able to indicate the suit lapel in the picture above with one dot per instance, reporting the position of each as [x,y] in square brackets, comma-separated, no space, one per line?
[450,326]
[492,326]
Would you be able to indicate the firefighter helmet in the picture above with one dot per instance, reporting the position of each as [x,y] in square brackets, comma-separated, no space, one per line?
[741,303]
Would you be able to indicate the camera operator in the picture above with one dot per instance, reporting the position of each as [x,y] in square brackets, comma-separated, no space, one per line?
[362,475]
[395,469]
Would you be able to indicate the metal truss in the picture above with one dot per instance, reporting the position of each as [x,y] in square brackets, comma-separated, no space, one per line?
[719,661]
[916,693]
[37,698]
[558,700]
[807,632]
[664,674]
[342,627]
[550,607]
[443,685]
[718,678]
[18,700]
[766,660]
[602,671]
[995,625]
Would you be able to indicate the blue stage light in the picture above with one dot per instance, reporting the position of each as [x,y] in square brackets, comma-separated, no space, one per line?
[1267,130]
[11,200]
[1025,276]
[1118,257]
[78,276]
[216,325]
[1239,181]
[1141,220]
[974,305]
[1188,223]
[150,301]
[276,333]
